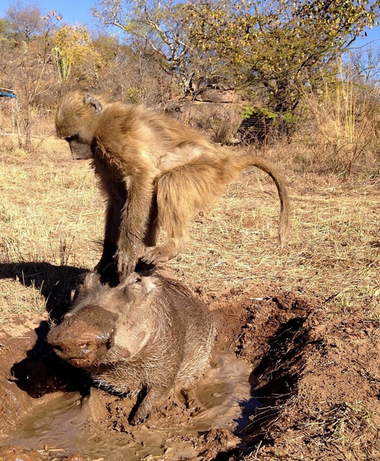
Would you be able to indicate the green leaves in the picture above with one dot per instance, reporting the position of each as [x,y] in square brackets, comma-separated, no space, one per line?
[280,45]
[277,47]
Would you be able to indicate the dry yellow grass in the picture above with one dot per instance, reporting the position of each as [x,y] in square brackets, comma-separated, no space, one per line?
[51,224]
[342,135]
[51,211]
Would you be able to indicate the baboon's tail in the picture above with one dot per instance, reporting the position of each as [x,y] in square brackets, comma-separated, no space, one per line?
[241,162]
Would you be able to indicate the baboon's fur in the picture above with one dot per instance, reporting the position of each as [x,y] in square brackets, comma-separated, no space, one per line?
[155,173]
[146,332]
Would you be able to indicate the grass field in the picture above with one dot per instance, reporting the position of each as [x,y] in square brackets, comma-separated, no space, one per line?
[51,225]
[51,211]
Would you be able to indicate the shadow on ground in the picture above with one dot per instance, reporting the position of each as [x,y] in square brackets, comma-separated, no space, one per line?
[41,371]
[54,282]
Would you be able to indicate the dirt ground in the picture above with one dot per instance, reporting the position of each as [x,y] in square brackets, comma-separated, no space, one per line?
[304,318]
[314,381]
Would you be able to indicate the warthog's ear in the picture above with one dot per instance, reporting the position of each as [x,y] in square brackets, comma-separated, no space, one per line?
[91,281]
[132,340]
[90,100]
[147,283]
[136,287]
[130,280]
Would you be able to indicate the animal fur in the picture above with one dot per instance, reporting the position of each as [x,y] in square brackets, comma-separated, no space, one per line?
[148,332]
[155,173]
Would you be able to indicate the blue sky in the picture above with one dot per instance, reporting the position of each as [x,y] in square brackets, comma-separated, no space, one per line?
[73,11]
[78,12]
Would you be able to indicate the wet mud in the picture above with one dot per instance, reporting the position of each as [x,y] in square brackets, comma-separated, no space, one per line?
[97,426]
[56,406]
[256,391]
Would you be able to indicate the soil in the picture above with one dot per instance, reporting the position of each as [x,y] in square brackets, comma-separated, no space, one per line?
[291,378]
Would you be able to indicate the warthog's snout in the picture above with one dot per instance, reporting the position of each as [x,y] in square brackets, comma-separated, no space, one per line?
[83,339]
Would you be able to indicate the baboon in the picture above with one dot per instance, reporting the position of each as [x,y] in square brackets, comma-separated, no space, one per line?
[155,172]
[149,332]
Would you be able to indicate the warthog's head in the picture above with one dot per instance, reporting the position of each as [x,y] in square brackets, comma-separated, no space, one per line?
[105,325]
[84,337]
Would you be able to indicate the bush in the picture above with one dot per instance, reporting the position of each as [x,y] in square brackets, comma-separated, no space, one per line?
[261,125]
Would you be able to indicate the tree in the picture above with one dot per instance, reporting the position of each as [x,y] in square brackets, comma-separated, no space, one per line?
[107,46]
[283,46]
[26,67]
[154,29]
[73,47]
[5,29]
[365,66]
[30,69]
[25,21]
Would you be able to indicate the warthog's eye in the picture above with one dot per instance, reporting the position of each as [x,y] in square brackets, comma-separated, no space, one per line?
[74,137]
[110,342]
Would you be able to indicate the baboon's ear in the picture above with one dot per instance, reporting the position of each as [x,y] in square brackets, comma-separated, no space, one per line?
[91,101]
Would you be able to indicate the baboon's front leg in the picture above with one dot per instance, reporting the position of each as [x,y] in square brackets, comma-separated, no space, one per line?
[134,222]
[107,263]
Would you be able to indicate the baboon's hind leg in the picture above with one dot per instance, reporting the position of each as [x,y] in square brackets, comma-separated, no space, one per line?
[152,231]
[154,255]
[181,192]
[161,254]
[176,236]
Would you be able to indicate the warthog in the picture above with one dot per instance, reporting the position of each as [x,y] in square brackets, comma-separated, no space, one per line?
[149,332]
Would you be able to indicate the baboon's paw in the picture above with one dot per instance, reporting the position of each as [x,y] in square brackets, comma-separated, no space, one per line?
[154,255]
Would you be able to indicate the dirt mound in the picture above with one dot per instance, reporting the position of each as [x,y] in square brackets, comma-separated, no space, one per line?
[315,372]
[286,382]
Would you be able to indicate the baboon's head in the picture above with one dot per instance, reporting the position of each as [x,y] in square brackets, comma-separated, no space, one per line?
[76,121]
[105,325]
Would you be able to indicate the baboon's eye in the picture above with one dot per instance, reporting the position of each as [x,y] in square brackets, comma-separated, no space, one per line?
[74,137]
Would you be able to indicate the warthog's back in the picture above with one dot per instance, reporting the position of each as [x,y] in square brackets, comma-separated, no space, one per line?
[192,318]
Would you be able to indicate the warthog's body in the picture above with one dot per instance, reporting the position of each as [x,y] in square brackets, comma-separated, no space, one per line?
[151,332]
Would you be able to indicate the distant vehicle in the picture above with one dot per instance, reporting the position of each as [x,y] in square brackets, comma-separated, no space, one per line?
[5,93]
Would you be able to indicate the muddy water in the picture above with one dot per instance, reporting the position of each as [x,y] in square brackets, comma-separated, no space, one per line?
[96,426]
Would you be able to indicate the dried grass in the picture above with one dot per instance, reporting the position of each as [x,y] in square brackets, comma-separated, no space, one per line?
[51,211]
[343,134]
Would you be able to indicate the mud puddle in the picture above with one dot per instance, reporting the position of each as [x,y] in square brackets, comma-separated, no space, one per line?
[258,360]
[95,426]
